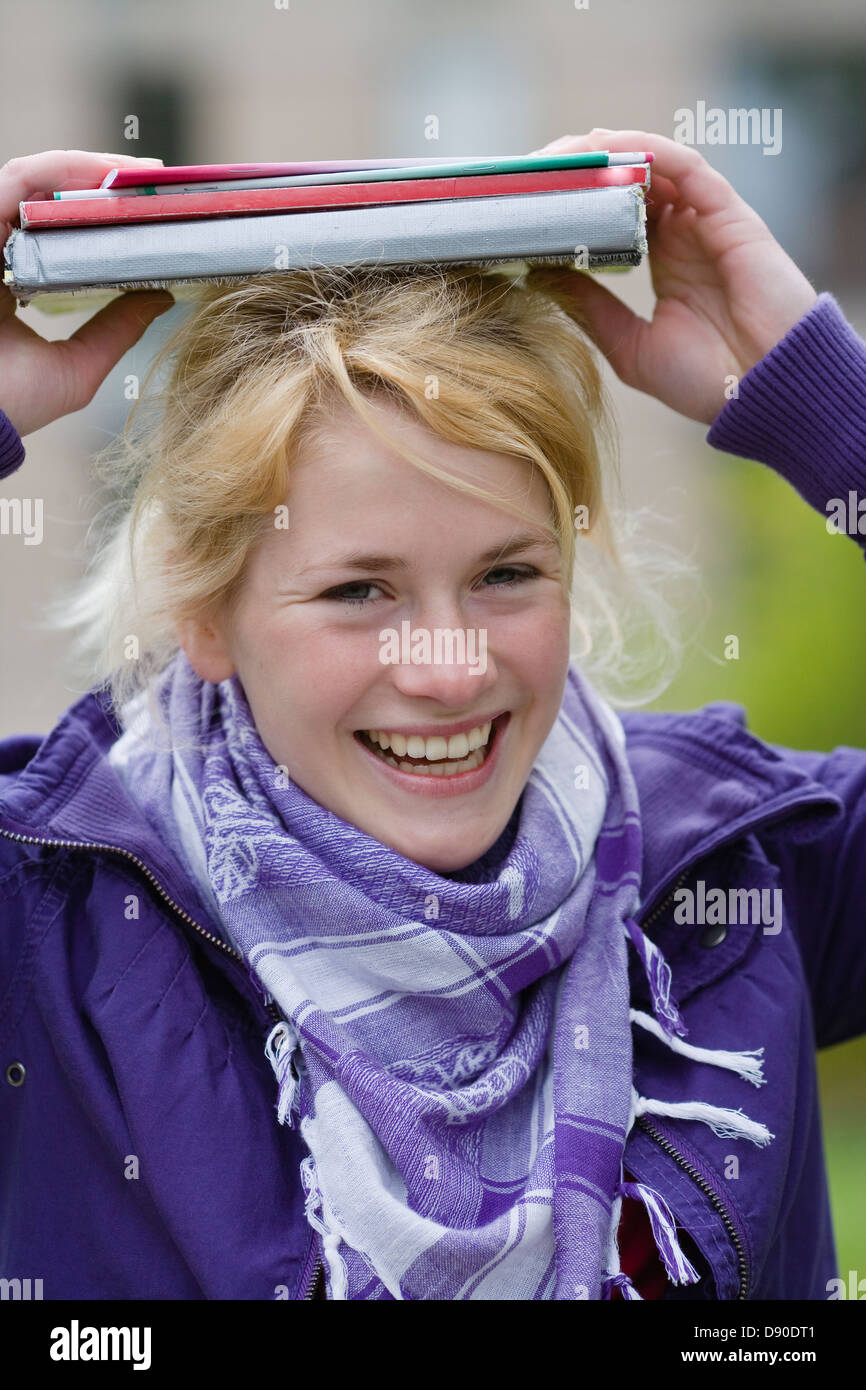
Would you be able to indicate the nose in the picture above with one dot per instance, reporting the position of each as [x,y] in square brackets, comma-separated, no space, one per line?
[449,662]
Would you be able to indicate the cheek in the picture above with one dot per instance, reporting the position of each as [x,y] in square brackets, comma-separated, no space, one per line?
[536,639]
[291,660]
[537,653]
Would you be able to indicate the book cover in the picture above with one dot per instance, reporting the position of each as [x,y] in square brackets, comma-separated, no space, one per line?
[364,170]
[98,211]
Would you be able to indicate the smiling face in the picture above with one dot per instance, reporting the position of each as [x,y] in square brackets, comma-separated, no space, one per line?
[305,635]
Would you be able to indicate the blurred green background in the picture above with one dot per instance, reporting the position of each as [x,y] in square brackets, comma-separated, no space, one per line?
[796,598]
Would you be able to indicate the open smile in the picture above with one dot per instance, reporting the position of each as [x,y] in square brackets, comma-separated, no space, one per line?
[436,765]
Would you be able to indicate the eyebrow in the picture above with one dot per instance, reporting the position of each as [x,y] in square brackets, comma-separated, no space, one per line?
[362,560]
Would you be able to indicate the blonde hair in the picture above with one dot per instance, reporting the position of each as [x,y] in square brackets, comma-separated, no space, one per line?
[480,357]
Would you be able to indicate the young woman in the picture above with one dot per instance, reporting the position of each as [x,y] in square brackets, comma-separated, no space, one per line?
[351,946]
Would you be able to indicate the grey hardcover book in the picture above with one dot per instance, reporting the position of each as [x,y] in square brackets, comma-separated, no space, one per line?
[595,227]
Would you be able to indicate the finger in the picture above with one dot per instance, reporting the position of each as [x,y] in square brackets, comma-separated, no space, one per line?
[55,169]
[589,140]
[566,144]
[98,345]
[611,324]
[661,190]
[696,181]
[130,159]
[660,193]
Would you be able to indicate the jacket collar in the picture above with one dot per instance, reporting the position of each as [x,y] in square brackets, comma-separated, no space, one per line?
[722,780]
[69,792]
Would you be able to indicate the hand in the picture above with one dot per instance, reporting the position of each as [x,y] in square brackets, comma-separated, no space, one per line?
[726,292]
[42,380]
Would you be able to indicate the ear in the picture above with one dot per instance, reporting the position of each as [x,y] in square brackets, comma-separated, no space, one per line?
[204,642]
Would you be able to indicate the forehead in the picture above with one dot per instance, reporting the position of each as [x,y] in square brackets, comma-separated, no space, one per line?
[351,494]
[341,462]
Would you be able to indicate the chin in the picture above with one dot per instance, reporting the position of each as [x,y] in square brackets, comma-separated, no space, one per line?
[443,859]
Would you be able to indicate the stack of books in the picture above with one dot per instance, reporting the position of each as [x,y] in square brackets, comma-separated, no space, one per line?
[224,222]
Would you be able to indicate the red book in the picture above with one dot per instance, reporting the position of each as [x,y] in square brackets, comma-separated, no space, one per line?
[161,207]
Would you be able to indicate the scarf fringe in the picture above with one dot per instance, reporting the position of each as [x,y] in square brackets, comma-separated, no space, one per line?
[727,1124]
[746,1064]
[658,974]
[331,1238]
[679,1269]
[620,1281]
[280,1049]
[614,1276]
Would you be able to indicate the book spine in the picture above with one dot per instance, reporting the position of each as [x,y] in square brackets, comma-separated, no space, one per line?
[606,221]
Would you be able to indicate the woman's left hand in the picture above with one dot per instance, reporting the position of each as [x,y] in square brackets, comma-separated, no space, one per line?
[726,292]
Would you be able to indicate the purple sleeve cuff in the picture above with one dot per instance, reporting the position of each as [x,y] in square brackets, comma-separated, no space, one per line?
[802,408]
[11,448]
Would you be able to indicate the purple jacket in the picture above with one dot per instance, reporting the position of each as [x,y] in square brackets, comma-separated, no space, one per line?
[140,1155]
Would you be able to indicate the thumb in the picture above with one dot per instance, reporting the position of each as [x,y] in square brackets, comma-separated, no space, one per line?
[98,345]
[610,323]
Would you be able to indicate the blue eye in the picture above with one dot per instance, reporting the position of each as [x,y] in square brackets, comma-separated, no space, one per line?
[525,572]
[339,594]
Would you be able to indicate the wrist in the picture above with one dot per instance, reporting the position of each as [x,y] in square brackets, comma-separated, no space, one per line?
[793,303]
[801,409]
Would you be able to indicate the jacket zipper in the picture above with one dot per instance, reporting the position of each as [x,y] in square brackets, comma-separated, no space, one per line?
[643,1123]
[127,854]
[276,1016]
[665,900]
[314,1277]
[693,1173]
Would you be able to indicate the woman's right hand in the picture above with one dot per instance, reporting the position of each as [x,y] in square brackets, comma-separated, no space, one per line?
[41,380]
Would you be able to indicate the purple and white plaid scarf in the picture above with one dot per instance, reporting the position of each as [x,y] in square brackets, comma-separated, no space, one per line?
[456,1051]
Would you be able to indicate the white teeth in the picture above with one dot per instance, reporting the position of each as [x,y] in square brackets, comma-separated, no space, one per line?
[466,758]
[439,769]
[434,749]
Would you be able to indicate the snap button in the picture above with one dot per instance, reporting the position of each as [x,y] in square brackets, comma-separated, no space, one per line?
[15,1073]
[714,934]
